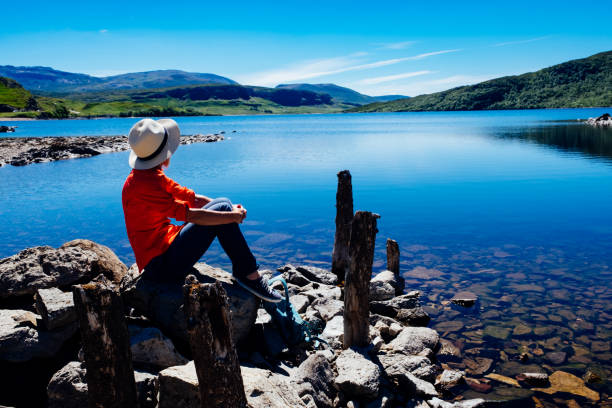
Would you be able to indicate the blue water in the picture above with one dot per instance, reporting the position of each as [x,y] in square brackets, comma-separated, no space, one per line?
[466,179]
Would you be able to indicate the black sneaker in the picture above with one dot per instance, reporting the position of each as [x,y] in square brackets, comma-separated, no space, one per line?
[260,288]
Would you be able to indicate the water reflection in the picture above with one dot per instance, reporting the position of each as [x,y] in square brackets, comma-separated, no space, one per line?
[574,137]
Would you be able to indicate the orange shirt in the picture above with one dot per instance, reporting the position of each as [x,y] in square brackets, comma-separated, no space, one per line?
[150,199]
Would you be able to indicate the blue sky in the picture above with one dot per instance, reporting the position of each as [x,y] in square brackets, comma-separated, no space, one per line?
[377,48]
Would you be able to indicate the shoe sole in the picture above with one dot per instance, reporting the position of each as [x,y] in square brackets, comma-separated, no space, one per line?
[259,295]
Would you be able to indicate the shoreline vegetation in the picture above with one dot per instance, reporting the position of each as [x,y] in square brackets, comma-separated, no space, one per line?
[578,83]
[21,151]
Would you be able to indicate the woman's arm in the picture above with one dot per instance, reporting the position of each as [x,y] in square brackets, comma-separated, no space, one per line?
[201,216]
[201,200]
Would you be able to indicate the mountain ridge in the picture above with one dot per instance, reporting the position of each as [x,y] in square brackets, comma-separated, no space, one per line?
[340,93]
[584,82]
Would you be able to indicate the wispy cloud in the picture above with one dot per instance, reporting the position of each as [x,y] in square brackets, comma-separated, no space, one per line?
[398,45]
[325,67]
[104,30]
[503,44]
[388,78]
[419,87]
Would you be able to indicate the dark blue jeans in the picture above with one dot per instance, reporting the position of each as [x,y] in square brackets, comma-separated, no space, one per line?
[191,243]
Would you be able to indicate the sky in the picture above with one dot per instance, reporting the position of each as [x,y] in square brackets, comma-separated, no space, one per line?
[377,48]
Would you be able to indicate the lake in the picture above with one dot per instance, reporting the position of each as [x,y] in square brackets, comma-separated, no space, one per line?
[514,206]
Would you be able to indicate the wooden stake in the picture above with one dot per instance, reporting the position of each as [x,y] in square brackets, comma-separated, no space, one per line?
[344,218]
[357,287]
[393,256]
[106,345]
[214,353]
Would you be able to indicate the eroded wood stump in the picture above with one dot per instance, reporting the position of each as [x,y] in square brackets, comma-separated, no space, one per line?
[393,256]
[213,349]
[357,286]
[344,218]
[106,345]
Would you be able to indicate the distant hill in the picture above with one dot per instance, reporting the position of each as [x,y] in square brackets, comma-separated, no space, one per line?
[340,93]
[13,97]
[578,83]
[45,80]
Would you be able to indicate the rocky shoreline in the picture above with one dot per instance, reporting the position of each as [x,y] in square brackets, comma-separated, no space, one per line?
[604,120]
[406,363]
[21,151]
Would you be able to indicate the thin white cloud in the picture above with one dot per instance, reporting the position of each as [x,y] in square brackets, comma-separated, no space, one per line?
[388,78]
[419,87]
[325,67]
[104,30]
[502,44]
[398,45]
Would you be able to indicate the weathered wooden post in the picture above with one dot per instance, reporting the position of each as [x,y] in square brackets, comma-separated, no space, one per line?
[357,286]
[393,264]
[214,353]
[344,218]
[106,345]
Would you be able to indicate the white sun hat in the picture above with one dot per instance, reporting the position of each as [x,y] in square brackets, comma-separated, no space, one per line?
[152,142]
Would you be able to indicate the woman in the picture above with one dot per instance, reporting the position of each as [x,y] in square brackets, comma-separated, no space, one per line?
[166,252]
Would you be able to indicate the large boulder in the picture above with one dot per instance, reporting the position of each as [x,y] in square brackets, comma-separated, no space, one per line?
[163,303]
[21,340]
[358,377]
[44,267]
[296,274]
[396,364]
[413,340]
[383,286]
[68,387]
[178,388]
[313,379]
[151,348]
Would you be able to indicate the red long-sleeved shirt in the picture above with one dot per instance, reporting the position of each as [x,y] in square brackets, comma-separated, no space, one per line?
[150,199]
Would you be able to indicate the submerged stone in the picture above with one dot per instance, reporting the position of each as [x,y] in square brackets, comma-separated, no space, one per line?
[465,299]
[562,382]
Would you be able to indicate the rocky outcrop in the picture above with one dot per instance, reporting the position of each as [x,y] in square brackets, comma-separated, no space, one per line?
[162,303]
[21,340]
[313,380]
[6,129]
[413,340]
[383,286]
[604,120]
[27,150]
[45,267]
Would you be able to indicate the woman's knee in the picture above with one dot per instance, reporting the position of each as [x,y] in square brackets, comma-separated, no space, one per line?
[220,204]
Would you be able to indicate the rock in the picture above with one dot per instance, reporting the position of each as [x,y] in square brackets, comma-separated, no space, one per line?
[21,340]
[503,379]
[318,275]
[328,308]
[449,326]
[162,303]
[448,352]
[464,298]
[504,397]
[405,308]
[413,340]
[471,403]
[55,307]
[314,378]
[318,290]
[416,317]
[300,303]
[6,129]
[478,386]
[68,387]
[604,120]
[358,376]
[450,378]
[534,379]
[412,385]
[334,332]
[265,389]
[562,382]
[107,262]
[44,267]
[396,365]
[293,276]
[178,387]
[478,365]
[556,357]
[496,332]
[151,348]
[383,286]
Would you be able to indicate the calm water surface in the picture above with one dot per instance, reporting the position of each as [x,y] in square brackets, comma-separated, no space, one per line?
[512,205]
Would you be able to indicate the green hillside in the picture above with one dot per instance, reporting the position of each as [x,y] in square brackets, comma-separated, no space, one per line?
[573,84]
[341,94]
[13,97]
